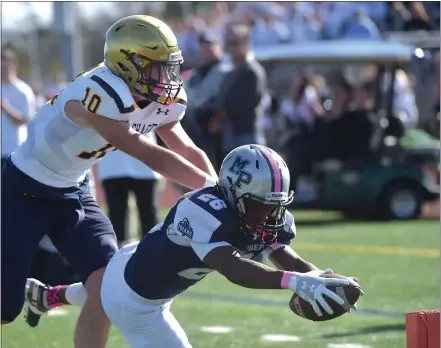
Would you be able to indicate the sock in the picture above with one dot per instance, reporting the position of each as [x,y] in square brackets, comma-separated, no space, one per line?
[53,297]
[76,294]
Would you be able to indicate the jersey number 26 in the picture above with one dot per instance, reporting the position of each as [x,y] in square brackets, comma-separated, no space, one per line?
[213,201]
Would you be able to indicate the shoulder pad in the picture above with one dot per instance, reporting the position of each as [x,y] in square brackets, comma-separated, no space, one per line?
[194,223]
[117,101]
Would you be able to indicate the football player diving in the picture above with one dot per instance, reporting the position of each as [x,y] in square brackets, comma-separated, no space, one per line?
[219,228]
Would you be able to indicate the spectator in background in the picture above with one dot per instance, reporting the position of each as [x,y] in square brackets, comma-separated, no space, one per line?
[202,91]
[187,36]
[377,11]
[17,104]
[360,26]
[405,106]
[419,19]
[40,97]
[241,94]
[397,16]
[269,30]
[353,131]
[333,16]
[434,123]
[433,9]
[305,27]
[270,110]
[121,174]
[437,82]
[303,105]
[301,110]
[54,88]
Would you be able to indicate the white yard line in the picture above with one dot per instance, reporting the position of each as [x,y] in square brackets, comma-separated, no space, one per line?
[216,329]
[57,312]
[347,345]
[280,338]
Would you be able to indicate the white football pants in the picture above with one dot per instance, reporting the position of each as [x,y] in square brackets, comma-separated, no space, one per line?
[144,323]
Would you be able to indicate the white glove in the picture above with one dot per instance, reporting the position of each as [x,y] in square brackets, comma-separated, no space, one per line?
[330,271]
[319,272]
[312,288]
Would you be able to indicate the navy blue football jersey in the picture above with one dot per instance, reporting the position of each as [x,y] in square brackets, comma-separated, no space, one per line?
[169,259]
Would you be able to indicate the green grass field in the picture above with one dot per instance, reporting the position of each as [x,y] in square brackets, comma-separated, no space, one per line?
[397,264]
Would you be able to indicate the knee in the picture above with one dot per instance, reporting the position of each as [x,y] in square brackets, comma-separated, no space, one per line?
[93,284]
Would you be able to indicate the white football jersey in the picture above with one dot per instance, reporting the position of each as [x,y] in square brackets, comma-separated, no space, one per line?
[58,152]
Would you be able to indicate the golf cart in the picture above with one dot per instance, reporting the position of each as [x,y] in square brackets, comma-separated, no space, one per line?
[402,174]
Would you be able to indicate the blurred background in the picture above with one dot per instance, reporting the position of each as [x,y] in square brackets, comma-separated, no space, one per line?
[54,41]
[347,92]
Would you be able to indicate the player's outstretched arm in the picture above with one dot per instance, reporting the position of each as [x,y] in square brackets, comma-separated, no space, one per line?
[250,274]
[120,135]
[247,273]
[288,260]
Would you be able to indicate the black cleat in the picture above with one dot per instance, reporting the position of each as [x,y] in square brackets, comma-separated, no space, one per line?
[36,300]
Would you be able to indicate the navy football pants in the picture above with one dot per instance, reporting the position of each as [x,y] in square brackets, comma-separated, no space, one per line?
[71,218]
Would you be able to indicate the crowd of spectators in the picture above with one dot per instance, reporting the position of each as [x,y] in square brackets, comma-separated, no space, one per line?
[289,22]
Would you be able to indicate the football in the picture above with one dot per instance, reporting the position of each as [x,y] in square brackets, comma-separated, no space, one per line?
[350,293]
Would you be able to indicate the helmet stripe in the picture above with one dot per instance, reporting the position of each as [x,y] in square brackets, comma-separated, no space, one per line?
[276,175]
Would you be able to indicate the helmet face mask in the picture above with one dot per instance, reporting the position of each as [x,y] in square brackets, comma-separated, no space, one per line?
[157,81]
[262,220]
[259,207]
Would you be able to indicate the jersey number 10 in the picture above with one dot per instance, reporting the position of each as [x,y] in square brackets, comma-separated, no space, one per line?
[92,104]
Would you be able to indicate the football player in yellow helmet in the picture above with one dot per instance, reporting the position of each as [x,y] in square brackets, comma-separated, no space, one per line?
[144,52]
[136,90]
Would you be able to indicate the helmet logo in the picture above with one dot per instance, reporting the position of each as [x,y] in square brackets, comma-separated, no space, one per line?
[238,168]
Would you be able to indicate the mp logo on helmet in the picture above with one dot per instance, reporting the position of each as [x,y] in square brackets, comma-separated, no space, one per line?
[238,168]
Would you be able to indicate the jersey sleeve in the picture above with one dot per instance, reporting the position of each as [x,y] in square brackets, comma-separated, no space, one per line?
[108,96]
[197,227]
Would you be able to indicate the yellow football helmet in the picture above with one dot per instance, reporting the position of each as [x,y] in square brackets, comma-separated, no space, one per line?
[144,52]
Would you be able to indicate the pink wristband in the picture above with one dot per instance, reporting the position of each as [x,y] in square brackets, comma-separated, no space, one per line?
[285,280]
